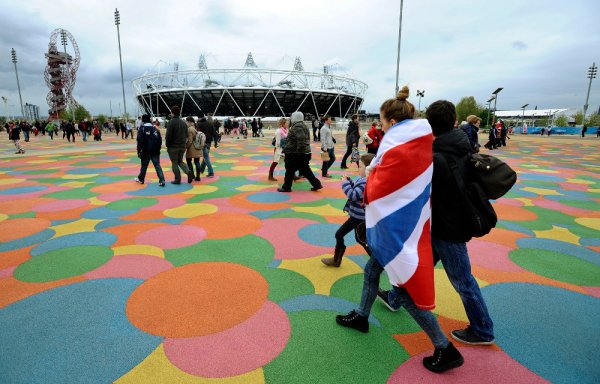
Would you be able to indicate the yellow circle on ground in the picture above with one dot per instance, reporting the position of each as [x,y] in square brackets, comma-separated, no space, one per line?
[244,168]
[201,190]
[3,217]
[76,177]
[225,161]
[11,181]
[589,222]
[187,211]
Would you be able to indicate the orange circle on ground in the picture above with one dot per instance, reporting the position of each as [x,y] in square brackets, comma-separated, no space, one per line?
[512,213]
[13,229]
[223,225]
[197,299]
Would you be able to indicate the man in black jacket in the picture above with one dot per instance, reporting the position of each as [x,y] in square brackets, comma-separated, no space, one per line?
[207,126]
[149,142]
[297,154]
[176,138]
[448,238]
[352,136]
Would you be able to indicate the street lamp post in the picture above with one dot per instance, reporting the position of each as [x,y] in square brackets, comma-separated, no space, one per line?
[117,23]
[14,60]
[591,75]
[523,118]
[63,40]
[420,94]
[399,41]
[489,107]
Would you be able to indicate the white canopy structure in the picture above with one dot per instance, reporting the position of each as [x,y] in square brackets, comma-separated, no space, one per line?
[529,113]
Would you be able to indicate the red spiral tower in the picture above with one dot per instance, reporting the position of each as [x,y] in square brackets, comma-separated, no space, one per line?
[61,72]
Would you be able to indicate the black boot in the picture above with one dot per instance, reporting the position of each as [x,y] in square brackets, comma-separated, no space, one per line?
[197,175]
[190,176]
[443,359]
[336,260]
[353,320]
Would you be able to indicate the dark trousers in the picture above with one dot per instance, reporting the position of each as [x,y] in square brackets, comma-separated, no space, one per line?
[156,162]
[372,150]
[298,162]
[196,161]
[329,163]
[348,226]
[316,134]
[348,153]
[176,156]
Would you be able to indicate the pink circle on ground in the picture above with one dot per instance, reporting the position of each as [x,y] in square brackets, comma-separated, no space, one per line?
[238,350]
[8,272]
[491,255]
[225,205]
[593,291]
[557,206]
[481,366]
[511,202]
[283,235]
[134,266]
[171,236]
[165,203]
[114,196]
[60,205]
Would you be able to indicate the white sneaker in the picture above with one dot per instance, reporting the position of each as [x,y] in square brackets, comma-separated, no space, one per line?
[138,181]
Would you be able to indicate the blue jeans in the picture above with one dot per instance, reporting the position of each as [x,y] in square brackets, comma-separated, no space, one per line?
[206,161]
[156,162]
[426,320]
[455,259]
[84,135]
[456,262]
[329,163]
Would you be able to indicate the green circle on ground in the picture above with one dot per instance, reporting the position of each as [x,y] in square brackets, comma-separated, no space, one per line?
[132,203]
[557,266]
[63,263]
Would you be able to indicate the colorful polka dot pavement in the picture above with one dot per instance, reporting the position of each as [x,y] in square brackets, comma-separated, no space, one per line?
[220,281]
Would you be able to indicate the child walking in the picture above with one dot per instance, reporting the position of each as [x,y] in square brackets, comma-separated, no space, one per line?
[354,206]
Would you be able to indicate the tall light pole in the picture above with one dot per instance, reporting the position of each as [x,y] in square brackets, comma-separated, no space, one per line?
[63,40]
[117,23]
[399,41]
[489,107]
[523,118]
[14,60]
[495,94]
[419,95]
[591,75]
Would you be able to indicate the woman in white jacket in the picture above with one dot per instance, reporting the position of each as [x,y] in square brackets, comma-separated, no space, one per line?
[280,138]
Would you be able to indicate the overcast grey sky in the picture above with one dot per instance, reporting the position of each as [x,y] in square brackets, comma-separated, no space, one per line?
[538,51]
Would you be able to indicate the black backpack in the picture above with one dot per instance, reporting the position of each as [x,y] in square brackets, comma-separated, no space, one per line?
[493,175]
[480,216]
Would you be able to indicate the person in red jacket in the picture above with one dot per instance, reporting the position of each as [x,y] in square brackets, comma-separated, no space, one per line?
[376,134]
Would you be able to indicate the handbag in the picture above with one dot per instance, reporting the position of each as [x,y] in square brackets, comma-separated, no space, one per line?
[367,139]
[324,155]
[355,157]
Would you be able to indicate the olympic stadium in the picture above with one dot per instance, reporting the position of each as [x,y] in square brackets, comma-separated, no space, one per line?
[249,91]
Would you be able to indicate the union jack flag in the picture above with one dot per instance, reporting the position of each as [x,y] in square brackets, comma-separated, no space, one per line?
[398,209]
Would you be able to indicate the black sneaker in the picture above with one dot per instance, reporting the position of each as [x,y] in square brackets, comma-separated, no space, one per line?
[443,359]
[283,190]
[468,336]
[353,320]
[316,188]
[384,297]
[161,183]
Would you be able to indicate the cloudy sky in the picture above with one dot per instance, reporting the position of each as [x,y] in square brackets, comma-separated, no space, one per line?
[538,50]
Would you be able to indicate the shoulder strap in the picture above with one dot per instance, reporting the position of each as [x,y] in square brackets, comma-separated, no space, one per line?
[457,177]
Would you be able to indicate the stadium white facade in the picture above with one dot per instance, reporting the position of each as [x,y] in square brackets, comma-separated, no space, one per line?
[249,91]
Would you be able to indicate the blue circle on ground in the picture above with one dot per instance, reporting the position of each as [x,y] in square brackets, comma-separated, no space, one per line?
[20,190]
[551,331]
[90,171]
[268,197]
[324,235]
[27,241]
[153,189]
[75,239]
[105,213]
[77,333]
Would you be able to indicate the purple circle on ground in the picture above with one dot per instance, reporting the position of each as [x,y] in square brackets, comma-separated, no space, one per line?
[171,236]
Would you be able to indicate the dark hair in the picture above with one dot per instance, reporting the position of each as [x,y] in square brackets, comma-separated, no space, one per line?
[175,110]
[190,119]
[326,117]
[441,115]
[399,108]
[201,115]
[354,117]
[367,158]
[145,118]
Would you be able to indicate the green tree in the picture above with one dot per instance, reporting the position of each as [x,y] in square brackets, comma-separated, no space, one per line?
[593,120]
[101,119]
[79,112]
[561,121]
[578,116]
[465,107]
